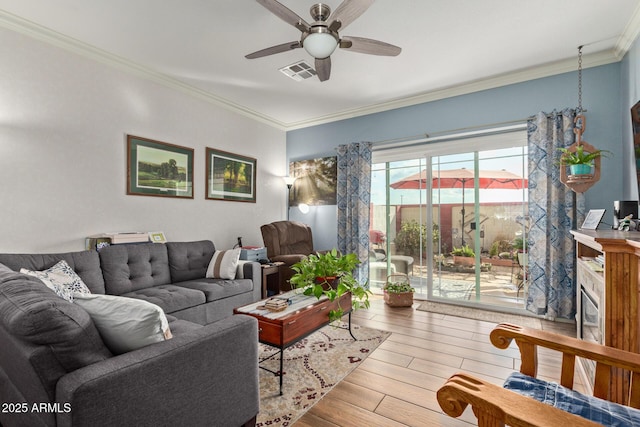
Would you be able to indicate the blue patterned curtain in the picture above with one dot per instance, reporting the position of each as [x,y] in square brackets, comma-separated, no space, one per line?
[554,210]
[353,197]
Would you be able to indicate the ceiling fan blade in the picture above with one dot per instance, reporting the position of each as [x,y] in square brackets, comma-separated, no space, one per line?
[369,46]
[323,68]
[284,47]
[347,12]
[286,14]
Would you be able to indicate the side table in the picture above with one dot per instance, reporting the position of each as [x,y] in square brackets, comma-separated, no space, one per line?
[271,278]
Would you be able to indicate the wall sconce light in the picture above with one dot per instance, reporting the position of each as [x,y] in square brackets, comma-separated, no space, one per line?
[303,208]
[289,181]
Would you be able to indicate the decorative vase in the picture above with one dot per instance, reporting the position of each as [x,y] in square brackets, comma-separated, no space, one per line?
[398,299]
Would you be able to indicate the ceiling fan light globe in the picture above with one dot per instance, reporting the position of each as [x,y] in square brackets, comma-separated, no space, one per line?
[320,45]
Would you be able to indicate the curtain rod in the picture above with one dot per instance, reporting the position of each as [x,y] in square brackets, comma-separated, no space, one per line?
[465,132]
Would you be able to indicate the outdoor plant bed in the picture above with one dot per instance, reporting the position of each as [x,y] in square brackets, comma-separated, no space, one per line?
[501,262]
[463,255]
[463,260]
[398,291]
[466,268]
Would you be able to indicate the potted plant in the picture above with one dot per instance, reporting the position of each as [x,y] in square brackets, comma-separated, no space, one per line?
[398,291]
[580,162]
[330,274]
[463,255]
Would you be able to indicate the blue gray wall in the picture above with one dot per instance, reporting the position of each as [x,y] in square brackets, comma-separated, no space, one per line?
[602,87]
[630,94]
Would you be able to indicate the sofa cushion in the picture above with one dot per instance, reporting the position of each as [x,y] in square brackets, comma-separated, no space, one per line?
[125,324]
[215,289]
[61,279]
[85,263]
[32,312]
[589,407]
[131,267]
[169,298]
[223,264]
[189,260]
[180,326]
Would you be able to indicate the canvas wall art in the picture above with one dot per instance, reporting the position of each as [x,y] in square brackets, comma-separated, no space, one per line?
[315,183]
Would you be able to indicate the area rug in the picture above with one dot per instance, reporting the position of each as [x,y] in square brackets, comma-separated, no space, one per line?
[312,367]
[478,314]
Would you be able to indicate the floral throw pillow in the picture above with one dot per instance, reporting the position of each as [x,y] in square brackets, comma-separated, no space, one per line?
[61,279]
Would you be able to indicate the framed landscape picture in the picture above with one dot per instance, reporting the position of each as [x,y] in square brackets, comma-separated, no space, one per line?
[230,177]
[157,168]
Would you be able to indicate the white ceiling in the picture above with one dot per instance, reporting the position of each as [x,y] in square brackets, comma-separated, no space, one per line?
[449,47]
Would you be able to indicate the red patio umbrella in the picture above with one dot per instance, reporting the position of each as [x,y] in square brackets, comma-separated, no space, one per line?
[458,178]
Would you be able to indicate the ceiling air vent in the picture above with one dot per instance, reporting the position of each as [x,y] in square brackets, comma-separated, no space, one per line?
[298,71]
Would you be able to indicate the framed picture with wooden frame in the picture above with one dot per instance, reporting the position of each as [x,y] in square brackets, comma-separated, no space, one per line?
[230,177]
[157,168]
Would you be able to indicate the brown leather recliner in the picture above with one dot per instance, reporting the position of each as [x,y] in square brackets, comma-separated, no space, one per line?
[288,242]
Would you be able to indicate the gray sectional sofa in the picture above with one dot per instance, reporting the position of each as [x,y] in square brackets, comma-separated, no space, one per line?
[55,369]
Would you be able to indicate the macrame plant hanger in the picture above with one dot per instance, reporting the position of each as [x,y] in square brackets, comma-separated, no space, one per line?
[580,182]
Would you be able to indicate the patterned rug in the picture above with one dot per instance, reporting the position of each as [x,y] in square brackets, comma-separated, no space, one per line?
[312,367]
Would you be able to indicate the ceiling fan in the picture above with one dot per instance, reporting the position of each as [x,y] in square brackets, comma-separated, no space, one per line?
[321,37]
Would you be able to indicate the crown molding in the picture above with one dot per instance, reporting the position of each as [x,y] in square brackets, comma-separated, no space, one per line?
[39,32]
[551,69]
[629,34]
[60,40]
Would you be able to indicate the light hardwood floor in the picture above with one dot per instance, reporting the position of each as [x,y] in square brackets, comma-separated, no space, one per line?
[396,385]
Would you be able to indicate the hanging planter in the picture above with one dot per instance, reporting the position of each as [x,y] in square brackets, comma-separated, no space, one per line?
[582,158]
[580,162]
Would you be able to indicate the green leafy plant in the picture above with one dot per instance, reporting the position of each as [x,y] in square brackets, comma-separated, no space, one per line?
[500,245]
[580,157]
[331,274]
[464,251]
[411,234]
[398,287]
[519,244]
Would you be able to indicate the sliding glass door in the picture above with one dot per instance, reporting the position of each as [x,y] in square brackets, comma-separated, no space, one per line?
[454,223]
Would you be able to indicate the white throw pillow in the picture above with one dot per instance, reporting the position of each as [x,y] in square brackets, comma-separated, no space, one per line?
[61,279]
[125,324]
[223,264]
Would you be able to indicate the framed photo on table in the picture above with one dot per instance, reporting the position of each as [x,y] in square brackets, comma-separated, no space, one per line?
[230,177]
[592,220]
[157,168]
[157,237]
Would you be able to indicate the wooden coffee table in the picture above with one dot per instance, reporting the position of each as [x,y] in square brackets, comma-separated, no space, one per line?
[303,317]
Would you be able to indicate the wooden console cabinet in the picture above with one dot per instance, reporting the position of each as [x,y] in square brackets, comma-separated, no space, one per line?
[614,291]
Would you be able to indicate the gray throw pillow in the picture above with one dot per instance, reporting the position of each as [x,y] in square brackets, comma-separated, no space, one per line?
[125,324]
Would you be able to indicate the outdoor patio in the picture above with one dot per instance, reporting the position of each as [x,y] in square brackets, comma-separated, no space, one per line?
[498,286]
